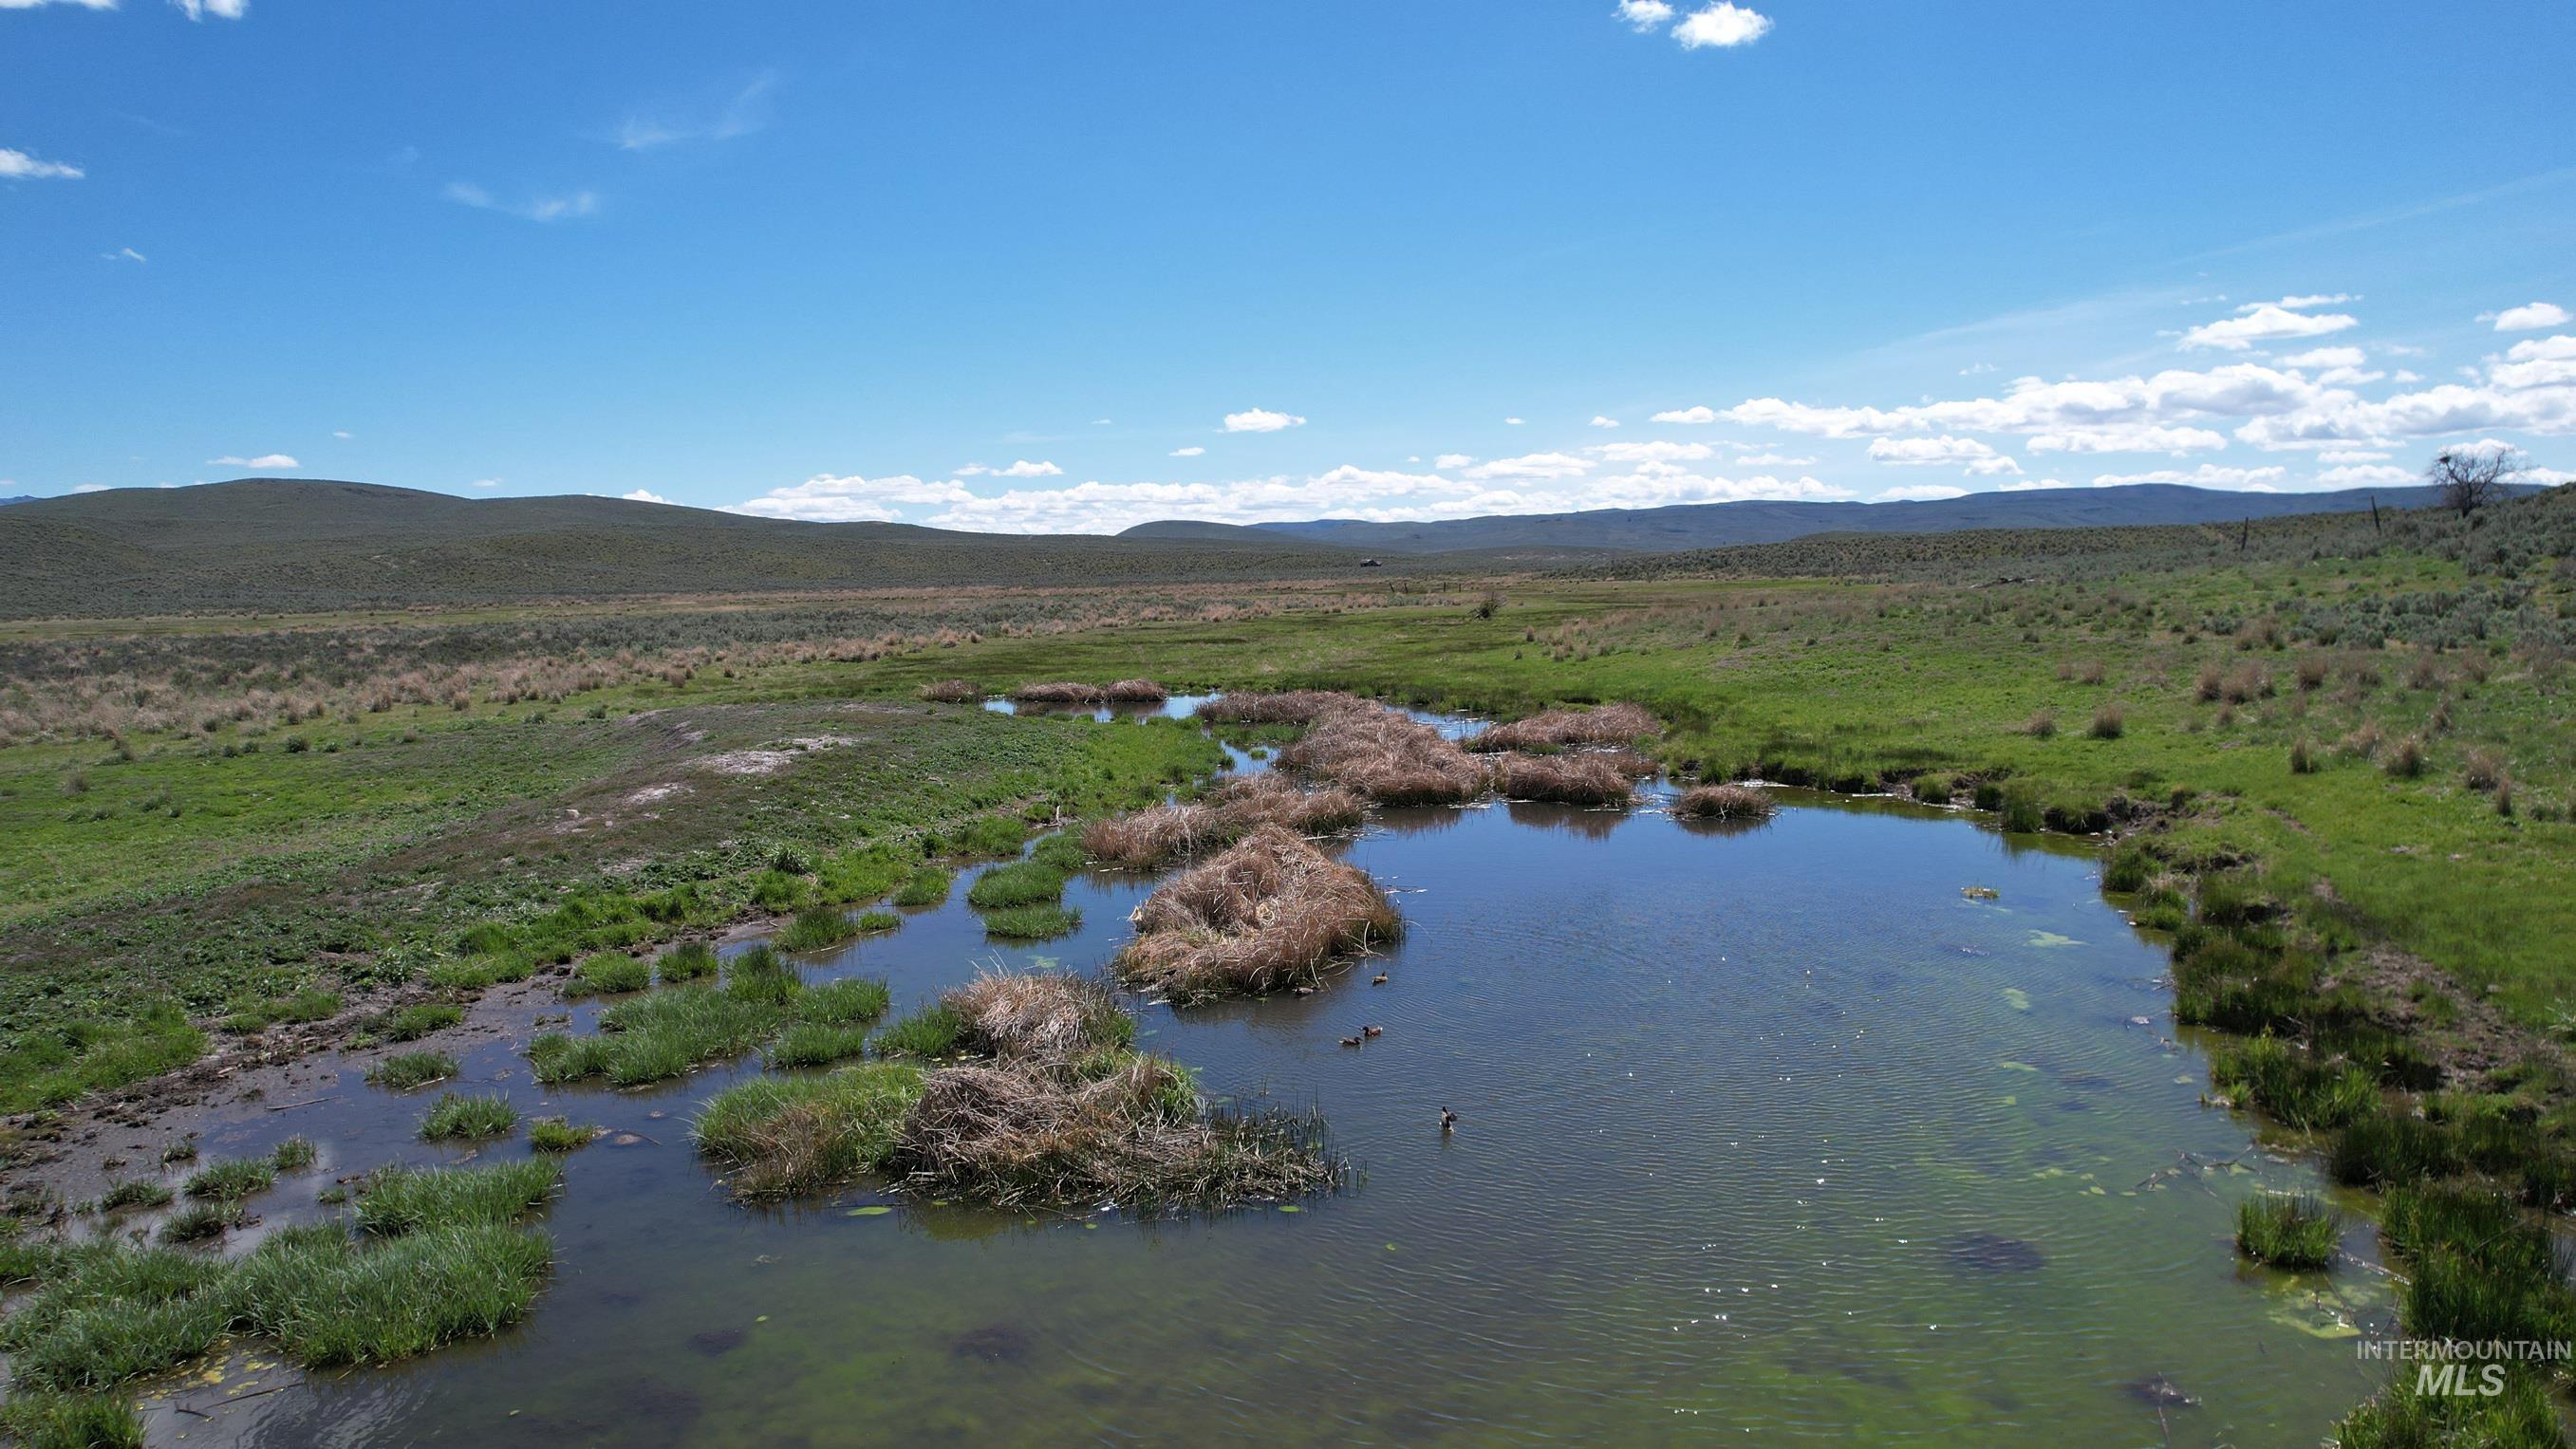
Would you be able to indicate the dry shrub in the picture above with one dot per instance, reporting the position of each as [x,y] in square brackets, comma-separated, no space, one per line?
[950,691]
[1135,691]
[1724,802]
[1267,914]
[2425,672]
[1568,779]
[2245,683]
[2041,725]
[1630,763]
[1229,813]
[2406,761]
[2483,770]
[1386,757]
[1067,692]
[1555,729]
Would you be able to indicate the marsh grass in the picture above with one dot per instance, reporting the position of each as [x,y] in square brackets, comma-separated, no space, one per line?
[1379,753]
[1016,883]
[688,961]
[396,1200]
[817,1043]
[1060,852]
[816,929]
[411,1023]
[201,1221]
[559,1134]
[775,1136]
[295,1154]
[1566,779]
[669,1032]
[993,835]
[1031,923]
[607,973]
[469,1119]
[39,1420]
[931,1033]
[872,923]
[233,1180]
[134,1192]
[1558,729]
[927,886]
[2287,1230]
[2292,1086]
[950,691]
[405,1071]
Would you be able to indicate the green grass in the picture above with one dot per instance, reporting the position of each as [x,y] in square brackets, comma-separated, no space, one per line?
[398,1200]
[933,1032]
[926,886]
[468,1119]
[688,961]
[202,1221]
[843,1002]
[1016,883]
[871,922]
[557,1134]
[411,1023]
[38,1420]
[295,1154]
[783,1135]
[404,1071]
[1031,923]
[991,835]
[815,1044]
[134,1192]
[231,1181]
[2291,1086]
[2286,1231]
[1060,852]
[666,1033]
[817,928]
[608,973]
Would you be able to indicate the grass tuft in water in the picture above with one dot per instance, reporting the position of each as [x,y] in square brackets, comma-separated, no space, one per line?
[927,886]
[816,928]
[134,1192]
[407,1070]
[687,961]
[2293,1086]
[933,1032]
[1031,923]
[39,1420]
[231,1181]
[398,1200]
[1016,883]
[782,1135]
[411,1023]
[2287,1230]
[556,1134]
[468,1119]
[607,973]
[200,1222]
[295,1154]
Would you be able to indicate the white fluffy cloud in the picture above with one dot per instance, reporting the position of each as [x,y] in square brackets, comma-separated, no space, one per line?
[1447,461]
[827,499]
[1772,460]
[535,208]
[2262,322]
[264,460]
[1979,459]
[220,9]
[1659,452]
[2529,317]
[2129,438]
[1190,452]
[1722,25]
[1644,16]
[1692,415]
[643,495]
[1261,420]
[1532,465]
[19,166]
[1599,421]
[2325,357]
[2207,475]
[1920,493]
[1021,469]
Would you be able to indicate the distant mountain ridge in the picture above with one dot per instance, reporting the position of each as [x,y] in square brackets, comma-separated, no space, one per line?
[1712,525]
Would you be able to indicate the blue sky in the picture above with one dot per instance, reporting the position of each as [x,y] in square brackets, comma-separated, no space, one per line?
[1279,260]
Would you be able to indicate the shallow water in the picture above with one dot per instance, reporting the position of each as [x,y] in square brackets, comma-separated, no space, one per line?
[1767,1134]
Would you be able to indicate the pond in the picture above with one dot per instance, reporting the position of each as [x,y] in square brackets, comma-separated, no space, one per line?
[1765,1134]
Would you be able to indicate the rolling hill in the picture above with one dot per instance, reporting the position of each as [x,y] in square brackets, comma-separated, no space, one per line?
[294,544]
[1713,525]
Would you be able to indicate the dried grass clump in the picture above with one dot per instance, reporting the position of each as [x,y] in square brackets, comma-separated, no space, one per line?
[1128,1128]
[1135,691]
[1386,757]
[1267,914]
[1038,1015]
[950,691]
[1062,693]
[1724,802]
[1295,706]
[1172,832]
[1556,729]
[1567,779]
